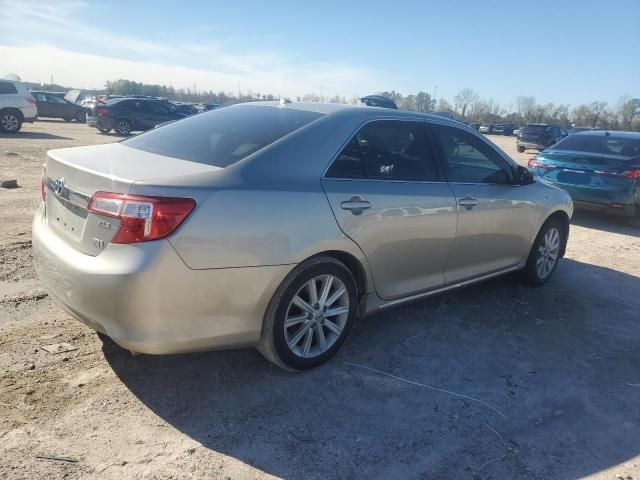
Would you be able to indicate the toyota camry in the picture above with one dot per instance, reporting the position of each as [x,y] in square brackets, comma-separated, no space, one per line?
[277,224]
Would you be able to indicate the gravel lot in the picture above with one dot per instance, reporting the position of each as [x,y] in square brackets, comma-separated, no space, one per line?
[557,370]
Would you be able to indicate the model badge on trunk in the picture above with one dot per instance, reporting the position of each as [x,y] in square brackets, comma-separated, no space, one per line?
[103,224]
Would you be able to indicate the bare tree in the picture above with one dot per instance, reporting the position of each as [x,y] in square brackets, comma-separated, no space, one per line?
[463,99]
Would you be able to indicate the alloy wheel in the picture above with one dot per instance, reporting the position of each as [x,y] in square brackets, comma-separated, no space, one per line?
[10,122]
[548,253]
[123,127]
[316,316]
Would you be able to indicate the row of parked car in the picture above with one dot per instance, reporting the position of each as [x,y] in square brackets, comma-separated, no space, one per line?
[123,114]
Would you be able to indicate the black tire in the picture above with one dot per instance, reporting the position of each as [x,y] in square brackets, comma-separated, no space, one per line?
[273,344]
[122,127]
[104,130]
[521,149]
[10,121]
[67,119]
[81,116]
[530,274]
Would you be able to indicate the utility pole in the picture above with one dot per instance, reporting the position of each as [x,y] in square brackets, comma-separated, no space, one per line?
[435,92]
[321,95]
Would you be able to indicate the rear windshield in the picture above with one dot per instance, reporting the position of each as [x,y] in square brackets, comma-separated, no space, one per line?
[600,144]
[535,129]
[223,136]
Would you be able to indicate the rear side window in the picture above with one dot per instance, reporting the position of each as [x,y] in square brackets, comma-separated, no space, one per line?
[223,136]
[387,150]
[7,88]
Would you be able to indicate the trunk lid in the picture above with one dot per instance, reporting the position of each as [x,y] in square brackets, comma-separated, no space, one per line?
[73,96]
[75,174]
[587,176]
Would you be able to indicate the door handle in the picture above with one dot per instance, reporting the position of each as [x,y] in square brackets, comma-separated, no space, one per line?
[468,202]
[357,204]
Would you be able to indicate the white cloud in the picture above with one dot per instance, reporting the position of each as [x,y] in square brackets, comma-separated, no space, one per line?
[52,41]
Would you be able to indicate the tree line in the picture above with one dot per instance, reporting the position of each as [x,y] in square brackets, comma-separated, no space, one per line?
[467,105]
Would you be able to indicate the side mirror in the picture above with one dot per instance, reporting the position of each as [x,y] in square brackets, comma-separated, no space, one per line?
[523,176]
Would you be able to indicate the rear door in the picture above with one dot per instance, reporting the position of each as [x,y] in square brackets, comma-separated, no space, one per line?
[495,217]
[151,113]
[389,197]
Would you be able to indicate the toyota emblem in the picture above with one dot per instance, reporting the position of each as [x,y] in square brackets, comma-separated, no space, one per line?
[58,186]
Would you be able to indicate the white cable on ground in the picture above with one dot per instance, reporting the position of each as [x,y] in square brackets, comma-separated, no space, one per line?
[504,447]
[428,386]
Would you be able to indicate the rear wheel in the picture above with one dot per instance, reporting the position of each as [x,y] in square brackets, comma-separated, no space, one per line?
[123,127]
[310,315]
[81,117]
[520,149]
[10,121]
[545,253]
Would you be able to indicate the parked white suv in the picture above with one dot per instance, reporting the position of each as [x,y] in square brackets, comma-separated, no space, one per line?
[16,106]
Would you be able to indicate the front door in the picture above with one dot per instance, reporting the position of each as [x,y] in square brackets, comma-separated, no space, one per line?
[495,217]
[388,196]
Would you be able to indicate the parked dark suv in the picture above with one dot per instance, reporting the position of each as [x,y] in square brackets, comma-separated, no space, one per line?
[125,115]
[56,105]
[540,136]
[504,128]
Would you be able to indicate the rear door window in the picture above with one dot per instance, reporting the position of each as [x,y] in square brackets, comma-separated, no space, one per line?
[7,88]
[387,150]
[223,136]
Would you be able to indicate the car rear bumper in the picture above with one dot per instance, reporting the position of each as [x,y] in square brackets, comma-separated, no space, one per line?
[147,300]
[533,145]
[617,201]
[29,113]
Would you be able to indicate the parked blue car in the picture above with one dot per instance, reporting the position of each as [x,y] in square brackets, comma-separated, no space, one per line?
[599,169]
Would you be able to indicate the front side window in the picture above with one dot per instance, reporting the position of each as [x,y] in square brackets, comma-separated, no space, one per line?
[55,99]
[468,159]
[387,150]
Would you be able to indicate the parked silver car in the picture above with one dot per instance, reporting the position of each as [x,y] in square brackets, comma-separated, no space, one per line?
[276,225]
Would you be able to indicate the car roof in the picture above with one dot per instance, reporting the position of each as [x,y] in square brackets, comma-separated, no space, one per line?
[612,133]
[354,110]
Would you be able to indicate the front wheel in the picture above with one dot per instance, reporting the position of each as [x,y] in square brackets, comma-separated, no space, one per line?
[520,149]
[81,117]
[545,253]
[310,315]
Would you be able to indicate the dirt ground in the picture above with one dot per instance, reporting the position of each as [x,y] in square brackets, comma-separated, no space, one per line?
[548,379]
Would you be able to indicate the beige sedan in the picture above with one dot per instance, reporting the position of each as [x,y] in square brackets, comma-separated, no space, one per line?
[276,225]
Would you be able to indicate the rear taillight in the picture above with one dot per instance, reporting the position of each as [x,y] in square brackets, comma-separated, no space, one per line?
[632,174]
[535,163]
[31,100]
[142,218]
[101,110]
[43,183]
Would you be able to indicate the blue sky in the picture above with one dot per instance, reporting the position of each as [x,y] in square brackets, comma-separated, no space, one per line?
[558,51]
